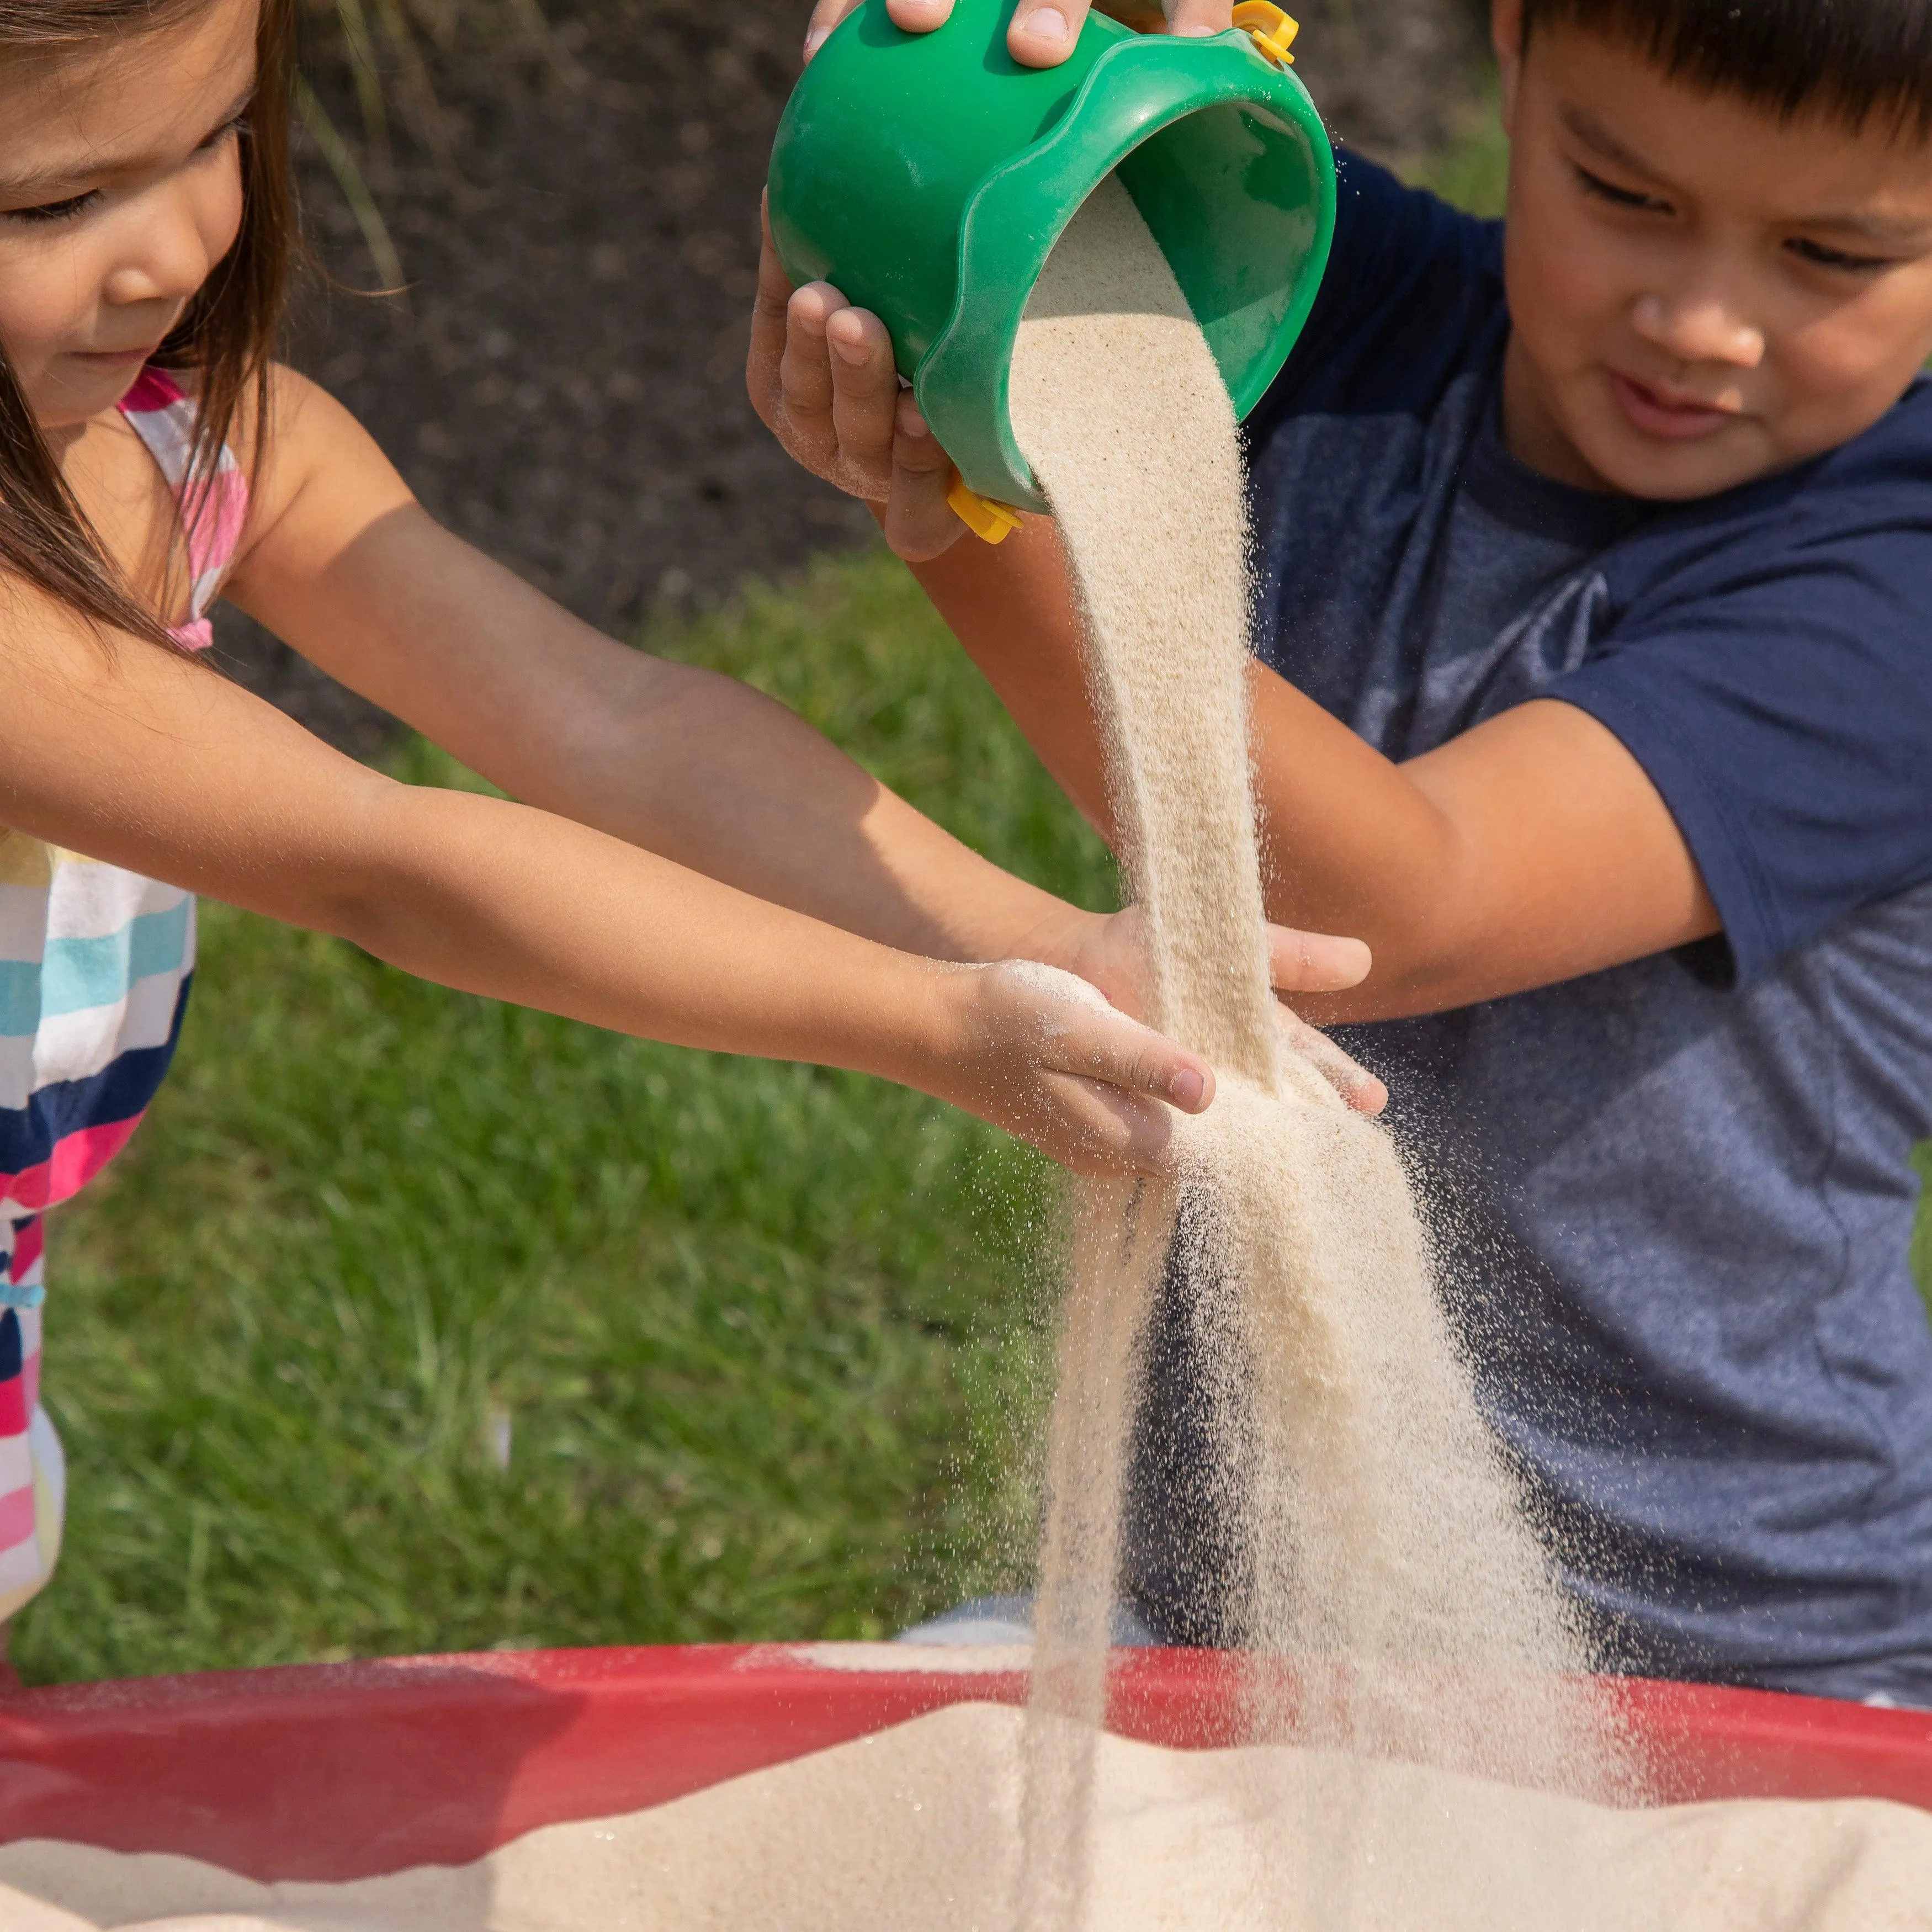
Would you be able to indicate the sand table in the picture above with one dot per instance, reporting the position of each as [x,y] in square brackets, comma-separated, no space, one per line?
[916,1829]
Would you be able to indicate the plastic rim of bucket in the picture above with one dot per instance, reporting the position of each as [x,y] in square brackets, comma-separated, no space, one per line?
[1225,158]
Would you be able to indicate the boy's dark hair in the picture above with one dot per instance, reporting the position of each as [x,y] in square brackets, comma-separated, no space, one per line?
[1848,59]
[224,339]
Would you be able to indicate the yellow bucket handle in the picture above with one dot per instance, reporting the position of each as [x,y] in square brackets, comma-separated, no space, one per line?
[1270,29]
[992,522]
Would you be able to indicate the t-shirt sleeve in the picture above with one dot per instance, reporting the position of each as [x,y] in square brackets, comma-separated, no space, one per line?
[1411,282]
[1777,688]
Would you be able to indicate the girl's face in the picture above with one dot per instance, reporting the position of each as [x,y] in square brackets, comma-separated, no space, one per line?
[120,190]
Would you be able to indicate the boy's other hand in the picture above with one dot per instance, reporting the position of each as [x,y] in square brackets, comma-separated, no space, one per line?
[1105,950]
[821,376]
[1041,32]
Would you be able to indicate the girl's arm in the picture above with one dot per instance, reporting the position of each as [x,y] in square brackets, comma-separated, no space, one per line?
[1531,849]
[113,747]
[343,563]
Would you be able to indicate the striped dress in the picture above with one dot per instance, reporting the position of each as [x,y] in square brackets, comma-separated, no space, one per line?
[94,967]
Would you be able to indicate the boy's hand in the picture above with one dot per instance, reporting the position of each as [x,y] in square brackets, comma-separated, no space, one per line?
[1106,951]
[1041,32]
[1038,1051]
[821,377]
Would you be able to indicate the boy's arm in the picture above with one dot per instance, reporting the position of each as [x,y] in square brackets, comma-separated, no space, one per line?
[1531,849]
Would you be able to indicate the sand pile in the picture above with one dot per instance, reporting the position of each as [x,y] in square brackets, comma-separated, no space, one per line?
[915,1830]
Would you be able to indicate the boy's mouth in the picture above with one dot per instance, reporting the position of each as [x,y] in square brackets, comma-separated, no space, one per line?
[1655,411]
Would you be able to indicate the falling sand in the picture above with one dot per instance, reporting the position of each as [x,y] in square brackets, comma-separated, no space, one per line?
[1391,1595]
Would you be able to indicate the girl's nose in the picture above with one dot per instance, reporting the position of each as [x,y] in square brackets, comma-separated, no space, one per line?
[163,257]
[1699,328]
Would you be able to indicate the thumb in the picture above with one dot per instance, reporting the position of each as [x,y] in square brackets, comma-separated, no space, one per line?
[1314,962]
[920,522]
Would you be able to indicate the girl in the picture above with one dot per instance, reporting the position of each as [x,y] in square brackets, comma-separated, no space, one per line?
[689,861]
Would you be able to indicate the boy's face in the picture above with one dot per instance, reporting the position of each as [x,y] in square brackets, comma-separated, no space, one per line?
[1699,296]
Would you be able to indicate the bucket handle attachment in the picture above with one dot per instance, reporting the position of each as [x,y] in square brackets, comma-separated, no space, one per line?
[1271,30]
[992,522]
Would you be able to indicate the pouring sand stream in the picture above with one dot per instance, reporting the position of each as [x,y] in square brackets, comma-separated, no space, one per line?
[1392,1599]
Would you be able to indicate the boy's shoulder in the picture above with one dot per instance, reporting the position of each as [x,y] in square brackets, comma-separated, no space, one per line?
[1412,297]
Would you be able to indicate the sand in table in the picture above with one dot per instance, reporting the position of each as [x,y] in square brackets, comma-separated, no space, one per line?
[915,1830]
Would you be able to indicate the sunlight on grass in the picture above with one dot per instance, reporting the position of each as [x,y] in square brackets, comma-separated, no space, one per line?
[760,1340]
[1472,171]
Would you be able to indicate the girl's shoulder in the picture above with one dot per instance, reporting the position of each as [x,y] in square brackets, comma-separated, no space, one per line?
[316,473]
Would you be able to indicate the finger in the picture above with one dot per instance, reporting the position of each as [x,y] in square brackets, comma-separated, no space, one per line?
[1199,16]
[1041,32]
[1097,1129]
[920,524]
[919,16]
[825,16]
[805,379]
[769,307]
[865,396]
[1355,1084]
[1314,962]
[1109,1047]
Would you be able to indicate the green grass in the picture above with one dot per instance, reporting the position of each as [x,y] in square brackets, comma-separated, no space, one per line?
[764,1337]
[1472,170]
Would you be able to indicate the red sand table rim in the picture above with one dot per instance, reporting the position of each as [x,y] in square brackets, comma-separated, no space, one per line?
[345,1771]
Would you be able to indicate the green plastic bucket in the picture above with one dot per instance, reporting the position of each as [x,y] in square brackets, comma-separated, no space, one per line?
[929,176]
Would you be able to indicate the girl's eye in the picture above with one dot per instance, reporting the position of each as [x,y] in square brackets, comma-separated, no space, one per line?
[54,210]
[1619,197]
[1821,256]
[227,131]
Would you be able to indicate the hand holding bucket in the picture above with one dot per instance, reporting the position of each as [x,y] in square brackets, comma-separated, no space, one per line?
[929,176]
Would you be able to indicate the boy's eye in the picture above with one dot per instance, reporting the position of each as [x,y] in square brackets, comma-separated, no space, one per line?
[54,210]
[1619,197]
[1822,257]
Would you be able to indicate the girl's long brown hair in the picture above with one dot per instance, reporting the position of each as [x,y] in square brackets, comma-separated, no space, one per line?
[224,339]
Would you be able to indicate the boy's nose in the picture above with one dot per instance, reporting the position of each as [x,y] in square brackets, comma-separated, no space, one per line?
[1700,328]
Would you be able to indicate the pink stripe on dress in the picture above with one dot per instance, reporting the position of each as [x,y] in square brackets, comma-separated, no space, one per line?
[16,1513]
[214,507]
[77,1158]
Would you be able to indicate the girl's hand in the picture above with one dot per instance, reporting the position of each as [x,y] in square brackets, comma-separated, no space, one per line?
[821,376]
[1105,950]
[1041,32]
[1039,1052]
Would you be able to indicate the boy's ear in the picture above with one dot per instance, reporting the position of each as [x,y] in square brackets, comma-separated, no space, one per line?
[1506,37]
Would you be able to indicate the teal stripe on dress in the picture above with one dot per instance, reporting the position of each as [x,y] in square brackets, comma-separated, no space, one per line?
[77,973]
[19,998]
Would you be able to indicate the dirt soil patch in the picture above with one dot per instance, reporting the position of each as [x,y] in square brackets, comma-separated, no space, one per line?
[563,383]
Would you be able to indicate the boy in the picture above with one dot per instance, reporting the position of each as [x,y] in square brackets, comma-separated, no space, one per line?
[1593,689]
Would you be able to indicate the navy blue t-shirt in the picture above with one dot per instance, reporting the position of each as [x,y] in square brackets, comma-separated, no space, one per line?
[1675,1198]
